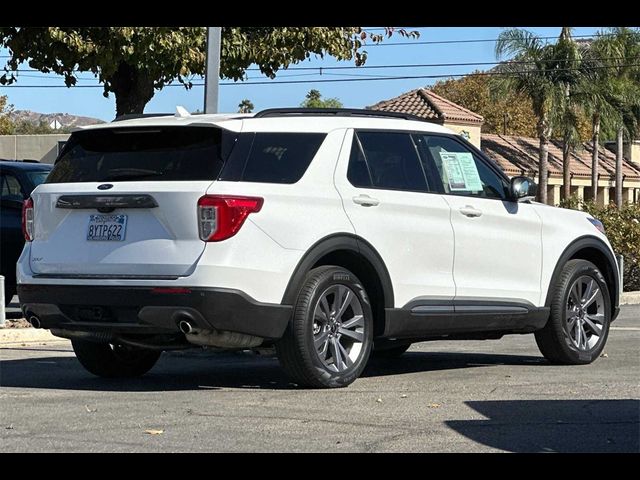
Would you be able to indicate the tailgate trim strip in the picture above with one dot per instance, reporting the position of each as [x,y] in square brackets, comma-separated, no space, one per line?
[106,201]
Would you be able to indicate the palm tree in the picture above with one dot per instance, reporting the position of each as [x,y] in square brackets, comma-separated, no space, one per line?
[621,47]
[600,96]
[566,121]
[566,111]
[531,74]
[245,106]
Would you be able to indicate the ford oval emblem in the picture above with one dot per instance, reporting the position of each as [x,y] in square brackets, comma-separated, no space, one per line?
[105,186]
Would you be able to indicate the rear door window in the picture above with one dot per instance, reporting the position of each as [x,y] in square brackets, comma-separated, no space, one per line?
[386,160]
[270,157]
[141,154]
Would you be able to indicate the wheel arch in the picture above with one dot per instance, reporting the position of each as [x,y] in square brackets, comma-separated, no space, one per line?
[357,255]
[597,252]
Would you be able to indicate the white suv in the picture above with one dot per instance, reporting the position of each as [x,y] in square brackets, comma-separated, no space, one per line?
[329,234]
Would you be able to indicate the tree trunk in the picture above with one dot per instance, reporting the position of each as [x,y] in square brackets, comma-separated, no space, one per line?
[619,152]
[566,168]
[132,88]
[595,139]
[543,155]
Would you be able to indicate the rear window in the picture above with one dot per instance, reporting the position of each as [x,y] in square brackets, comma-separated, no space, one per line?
[272,157]
[139,154]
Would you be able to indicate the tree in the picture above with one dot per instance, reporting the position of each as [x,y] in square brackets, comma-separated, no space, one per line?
[6,125]
[510,113]
[25,127]
[621,48]
[134,62]
[532,75]
[245,106]
[314,100]
[567,114]
[595,92]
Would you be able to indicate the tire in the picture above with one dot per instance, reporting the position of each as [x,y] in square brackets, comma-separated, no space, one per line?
[114,361]
[558,341]
[393,352]
[322,368]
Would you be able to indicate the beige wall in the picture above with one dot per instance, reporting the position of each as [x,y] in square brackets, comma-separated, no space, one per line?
[472,130]
[634,153]
[581,187]
[34,147]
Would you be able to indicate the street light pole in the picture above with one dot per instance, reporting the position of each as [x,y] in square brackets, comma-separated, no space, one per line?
[212,74]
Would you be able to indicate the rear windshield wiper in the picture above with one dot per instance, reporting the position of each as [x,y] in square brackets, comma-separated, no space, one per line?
[122,173]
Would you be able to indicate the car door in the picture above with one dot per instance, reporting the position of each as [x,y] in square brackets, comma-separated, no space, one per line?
[386,196]
[498,247]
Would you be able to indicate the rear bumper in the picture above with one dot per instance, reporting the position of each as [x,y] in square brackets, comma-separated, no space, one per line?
[146,310]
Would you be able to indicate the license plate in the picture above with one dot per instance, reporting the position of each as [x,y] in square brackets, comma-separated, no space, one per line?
[107,228]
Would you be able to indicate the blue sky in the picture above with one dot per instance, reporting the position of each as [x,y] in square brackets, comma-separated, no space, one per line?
[90,102]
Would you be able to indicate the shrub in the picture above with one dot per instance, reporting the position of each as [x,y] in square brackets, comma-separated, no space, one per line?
[623,230]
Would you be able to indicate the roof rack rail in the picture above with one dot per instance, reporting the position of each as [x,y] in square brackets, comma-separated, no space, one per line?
[132,116]
[339,112]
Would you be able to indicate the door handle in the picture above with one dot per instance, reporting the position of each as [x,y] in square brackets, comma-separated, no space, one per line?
[366,201]
[469,211]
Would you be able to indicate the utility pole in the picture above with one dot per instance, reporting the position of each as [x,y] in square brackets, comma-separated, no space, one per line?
[212,73]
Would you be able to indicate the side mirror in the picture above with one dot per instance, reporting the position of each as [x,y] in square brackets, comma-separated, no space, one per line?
[11,203]
[523,188]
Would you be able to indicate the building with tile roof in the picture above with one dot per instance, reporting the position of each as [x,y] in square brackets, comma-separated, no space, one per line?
[518,155]
[422,102]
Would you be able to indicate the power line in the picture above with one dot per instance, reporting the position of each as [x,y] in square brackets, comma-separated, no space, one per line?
[370,67]
[338,80]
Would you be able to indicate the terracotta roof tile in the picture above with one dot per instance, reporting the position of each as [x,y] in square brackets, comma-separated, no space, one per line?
[519,156]
[426,104]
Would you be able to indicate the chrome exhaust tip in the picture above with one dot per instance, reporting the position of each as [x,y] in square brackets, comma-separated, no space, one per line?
[185,327]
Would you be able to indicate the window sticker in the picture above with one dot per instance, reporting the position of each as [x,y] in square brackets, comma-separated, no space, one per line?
[461,171]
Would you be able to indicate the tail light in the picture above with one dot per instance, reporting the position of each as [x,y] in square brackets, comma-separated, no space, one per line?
[221,216]
[27,219]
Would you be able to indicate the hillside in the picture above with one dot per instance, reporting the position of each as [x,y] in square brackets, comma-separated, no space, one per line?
[65,119]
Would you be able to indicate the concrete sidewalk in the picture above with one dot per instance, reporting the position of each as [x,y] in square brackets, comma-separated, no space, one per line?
[17,336]
[630,298]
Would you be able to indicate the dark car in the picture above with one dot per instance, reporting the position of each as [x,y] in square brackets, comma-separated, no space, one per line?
[17,180]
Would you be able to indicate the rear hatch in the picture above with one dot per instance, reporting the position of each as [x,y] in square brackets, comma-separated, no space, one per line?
[122,202]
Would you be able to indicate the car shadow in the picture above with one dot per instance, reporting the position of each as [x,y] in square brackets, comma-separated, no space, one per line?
[195,369]
[567,426]
[412,362]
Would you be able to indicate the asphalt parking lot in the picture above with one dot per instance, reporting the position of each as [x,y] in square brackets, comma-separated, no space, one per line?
[466,396]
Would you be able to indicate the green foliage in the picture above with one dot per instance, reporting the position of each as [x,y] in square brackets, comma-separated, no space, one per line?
[473,92]
[314,99]
[134,62]
[612,80]
[6,125]
[24,127]
[245,106]
[623,231]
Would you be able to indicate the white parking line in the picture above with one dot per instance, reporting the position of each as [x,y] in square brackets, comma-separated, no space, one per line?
[637,329]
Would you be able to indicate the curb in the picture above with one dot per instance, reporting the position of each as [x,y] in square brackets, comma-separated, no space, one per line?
[630,298]
[11,336]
